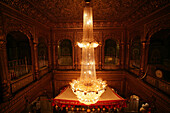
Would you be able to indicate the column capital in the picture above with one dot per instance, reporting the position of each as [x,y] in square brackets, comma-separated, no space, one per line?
[2,43]
[35,44]
[144,42]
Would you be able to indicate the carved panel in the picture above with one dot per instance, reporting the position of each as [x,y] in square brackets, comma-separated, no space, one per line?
[79,37]
[43,71]
[145,8]
[53,11]
[64,35]
[96,24]
[20,100]
[134,33]
[44,33]
[96,35]
[115,35]
[12,24]
[1,27]
[156,25]
[73,10]
[68,25]
[22,82]
[27,8]
[147,93]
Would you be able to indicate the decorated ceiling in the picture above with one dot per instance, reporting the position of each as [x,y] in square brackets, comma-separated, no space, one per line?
[54,11]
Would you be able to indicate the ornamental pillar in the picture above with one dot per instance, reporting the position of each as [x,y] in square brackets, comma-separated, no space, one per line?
[36,60]
[127,55]
[5,78]
[54,56]
[100,56]
[76,57]
[49,57]
[142,61]
[127,58]
[33,59]
[122,46]
[73,56]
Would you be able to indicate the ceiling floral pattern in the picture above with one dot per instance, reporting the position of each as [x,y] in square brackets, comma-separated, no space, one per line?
[53,11]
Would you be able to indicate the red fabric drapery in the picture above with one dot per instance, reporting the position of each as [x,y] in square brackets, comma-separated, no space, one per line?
[109,99]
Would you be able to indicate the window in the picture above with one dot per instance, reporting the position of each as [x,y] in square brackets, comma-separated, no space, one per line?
[19,54]
[65,52]
[135,52]
[42,53]
[159,55]
[111,52]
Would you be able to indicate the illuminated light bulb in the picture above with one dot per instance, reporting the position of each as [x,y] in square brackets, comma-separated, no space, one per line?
[88,110]
[72,109]
[61,108]
[56,107]
[98,109]
[88,22]
[89,72]
[80,45]
[95,44]
[91,63]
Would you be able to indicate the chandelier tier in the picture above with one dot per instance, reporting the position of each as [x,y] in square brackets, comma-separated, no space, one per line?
[87,88]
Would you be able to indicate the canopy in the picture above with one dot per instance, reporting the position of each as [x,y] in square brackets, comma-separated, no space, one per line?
[108,98]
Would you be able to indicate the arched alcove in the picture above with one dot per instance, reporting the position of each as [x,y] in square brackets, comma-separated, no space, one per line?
[65,52]
[111,52]
[159,60]
[135,53]
[42,53]
[19,54]
[159,55]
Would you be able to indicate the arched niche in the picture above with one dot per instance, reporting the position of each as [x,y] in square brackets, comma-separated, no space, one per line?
[135,53]
[159,55]
[65,53]
[18,54]
[111,52]
[42,53]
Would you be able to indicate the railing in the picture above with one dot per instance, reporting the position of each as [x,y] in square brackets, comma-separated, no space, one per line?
[18,68]
[42,61]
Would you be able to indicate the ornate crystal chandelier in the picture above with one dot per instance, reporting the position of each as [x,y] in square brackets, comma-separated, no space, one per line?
[87,88]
